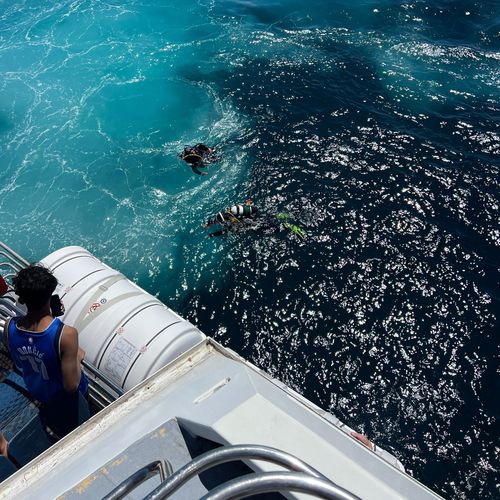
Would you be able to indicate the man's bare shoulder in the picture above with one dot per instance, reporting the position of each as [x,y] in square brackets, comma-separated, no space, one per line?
[69,330]
[69,337]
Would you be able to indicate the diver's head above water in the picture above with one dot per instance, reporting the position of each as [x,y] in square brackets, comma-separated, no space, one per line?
[195,154]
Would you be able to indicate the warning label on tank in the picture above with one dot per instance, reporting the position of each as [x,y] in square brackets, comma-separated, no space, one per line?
[119,359]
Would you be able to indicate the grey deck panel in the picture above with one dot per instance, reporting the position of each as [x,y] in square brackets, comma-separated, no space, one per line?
[165,442]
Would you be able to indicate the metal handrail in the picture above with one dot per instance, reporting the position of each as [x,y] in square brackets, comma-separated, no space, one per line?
[8,308]
[162,467]
[13,263]
[228,454]
[99,396]
[97,374]
[15,269]
[13,256]
[268,482]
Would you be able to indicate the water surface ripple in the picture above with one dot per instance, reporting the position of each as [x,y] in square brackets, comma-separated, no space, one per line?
[374,124]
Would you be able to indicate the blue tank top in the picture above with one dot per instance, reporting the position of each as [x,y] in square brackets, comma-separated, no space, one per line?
[36,354]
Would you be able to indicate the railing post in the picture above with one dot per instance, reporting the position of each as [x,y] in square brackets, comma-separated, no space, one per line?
[161,467]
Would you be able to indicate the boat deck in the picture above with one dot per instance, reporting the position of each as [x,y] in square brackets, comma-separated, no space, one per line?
[212,395]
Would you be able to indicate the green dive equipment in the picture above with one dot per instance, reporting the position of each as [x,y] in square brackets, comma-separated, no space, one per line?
[291,227]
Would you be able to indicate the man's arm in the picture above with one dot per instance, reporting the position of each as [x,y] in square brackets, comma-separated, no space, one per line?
[196,170]
[4,446]
[71,357]
[4,333]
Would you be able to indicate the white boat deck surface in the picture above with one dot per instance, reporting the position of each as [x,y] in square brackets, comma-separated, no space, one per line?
[215,394]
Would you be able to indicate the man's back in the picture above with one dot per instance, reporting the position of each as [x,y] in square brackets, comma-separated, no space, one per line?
[36,355]
[47,353]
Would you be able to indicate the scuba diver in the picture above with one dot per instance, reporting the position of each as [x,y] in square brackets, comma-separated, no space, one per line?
[235,217]
[230,217]
[198,156]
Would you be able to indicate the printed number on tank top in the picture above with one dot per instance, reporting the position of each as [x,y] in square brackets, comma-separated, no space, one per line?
[37,365]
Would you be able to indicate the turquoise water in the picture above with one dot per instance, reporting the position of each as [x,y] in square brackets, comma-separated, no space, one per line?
[96,100]
[374,124]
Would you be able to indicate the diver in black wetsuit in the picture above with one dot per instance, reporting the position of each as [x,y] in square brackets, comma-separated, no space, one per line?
[237,216]
[230,217]
[198,156]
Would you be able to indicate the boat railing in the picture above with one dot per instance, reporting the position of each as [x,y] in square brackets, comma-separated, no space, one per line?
[271,482]
[162,467]
[9,309]
[102,390]
[300,477]
[11,263]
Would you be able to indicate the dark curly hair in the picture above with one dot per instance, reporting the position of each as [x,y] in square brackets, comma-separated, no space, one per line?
[34,285]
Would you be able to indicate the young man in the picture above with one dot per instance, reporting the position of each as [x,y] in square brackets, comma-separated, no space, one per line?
[46,352]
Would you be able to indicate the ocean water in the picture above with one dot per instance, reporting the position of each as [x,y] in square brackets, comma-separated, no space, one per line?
[373,124]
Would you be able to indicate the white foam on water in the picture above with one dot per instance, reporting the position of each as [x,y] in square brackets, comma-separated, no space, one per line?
[96,109]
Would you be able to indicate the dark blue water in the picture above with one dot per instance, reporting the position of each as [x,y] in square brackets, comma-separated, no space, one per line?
[374,124]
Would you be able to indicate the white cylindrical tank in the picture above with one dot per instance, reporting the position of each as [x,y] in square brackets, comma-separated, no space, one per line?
[126,333]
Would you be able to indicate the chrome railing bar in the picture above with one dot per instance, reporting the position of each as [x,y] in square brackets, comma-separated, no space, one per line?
[11,299]
[103,398]
[11,253]
[162,467]
[10,308]
[8,263]
[93,370]
[229,454]
[268,482]
[96,399]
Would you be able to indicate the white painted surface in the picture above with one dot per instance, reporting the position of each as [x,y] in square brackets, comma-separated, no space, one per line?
[220,397]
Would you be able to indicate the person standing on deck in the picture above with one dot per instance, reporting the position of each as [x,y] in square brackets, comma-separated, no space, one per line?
[46,352]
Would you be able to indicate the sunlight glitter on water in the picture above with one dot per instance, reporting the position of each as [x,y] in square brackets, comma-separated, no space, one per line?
[373,125]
